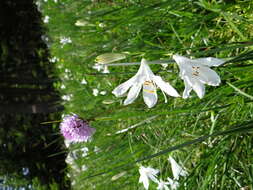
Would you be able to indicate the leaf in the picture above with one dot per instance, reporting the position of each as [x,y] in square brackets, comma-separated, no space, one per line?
[240,91]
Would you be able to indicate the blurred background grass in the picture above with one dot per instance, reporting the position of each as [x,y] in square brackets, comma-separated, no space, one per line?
[156,30]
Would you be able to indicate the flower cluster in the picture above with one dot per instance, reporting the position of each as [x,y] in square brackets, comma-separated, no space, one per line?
[148,173]
[194,72]
[75,129]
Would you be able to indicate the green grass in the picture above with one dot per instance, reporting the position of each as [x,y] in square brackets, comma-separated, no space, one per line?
[212,137]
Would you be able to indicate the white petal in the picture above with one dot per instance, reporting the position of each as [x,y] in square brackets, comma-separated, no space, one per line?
[187,89]
[149,94]
[123,88]
[144,179]
[133,93]
[153,178]
[145,182]
[152,171]
[145,69]
[209,76]
[180,59]
[177,170]
[197,86]
[209,61]
[184,63]
[152,174]
[165,86]
[166,187]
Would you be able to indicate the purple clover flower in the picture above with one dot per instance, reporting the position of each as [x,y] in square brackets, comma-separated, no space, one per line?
[76,129]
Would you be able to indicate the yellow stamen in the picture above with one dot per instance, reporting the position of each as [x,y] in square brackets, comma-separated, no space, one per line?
[149,91]
[195,71]
[148,83]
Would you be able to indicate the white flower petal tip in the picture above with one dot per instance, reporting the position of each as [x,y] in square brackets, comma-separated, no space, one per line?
[177,57]
[143,61]
[210,61]
[196,73]
[146,80]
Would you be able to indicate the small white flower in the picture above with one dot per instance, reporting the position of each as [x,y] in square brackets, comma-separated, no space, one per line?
[67,97]
[173,183]
[101,67]
[25,171]
[177,170]
[98,67]
[103,92]
[162,185]
[146,174]
[83,81]
[46,19]
[84,151]
[66,142]
[53,59]
[95,92]
[64,40]
[45,38]
[69,160]
[101,25]
[63,86]
[145,79]
[196,73]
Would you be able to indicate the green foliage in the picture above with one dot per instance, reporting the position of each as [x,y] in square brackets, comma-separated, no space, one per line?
[211,136]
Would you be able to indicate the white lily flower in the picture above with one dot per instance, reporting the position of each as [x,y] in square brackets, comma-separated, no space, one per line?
[146,174]
[162,185]
[177,170]
[145,79]
[196,73]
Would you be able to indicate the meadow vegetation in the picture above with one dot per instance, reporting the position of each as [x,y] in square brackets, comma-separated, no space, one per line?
[211,137]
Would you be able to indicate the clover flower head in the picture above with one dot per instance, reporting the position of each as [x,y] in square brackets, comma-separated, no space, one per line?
[75,129]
